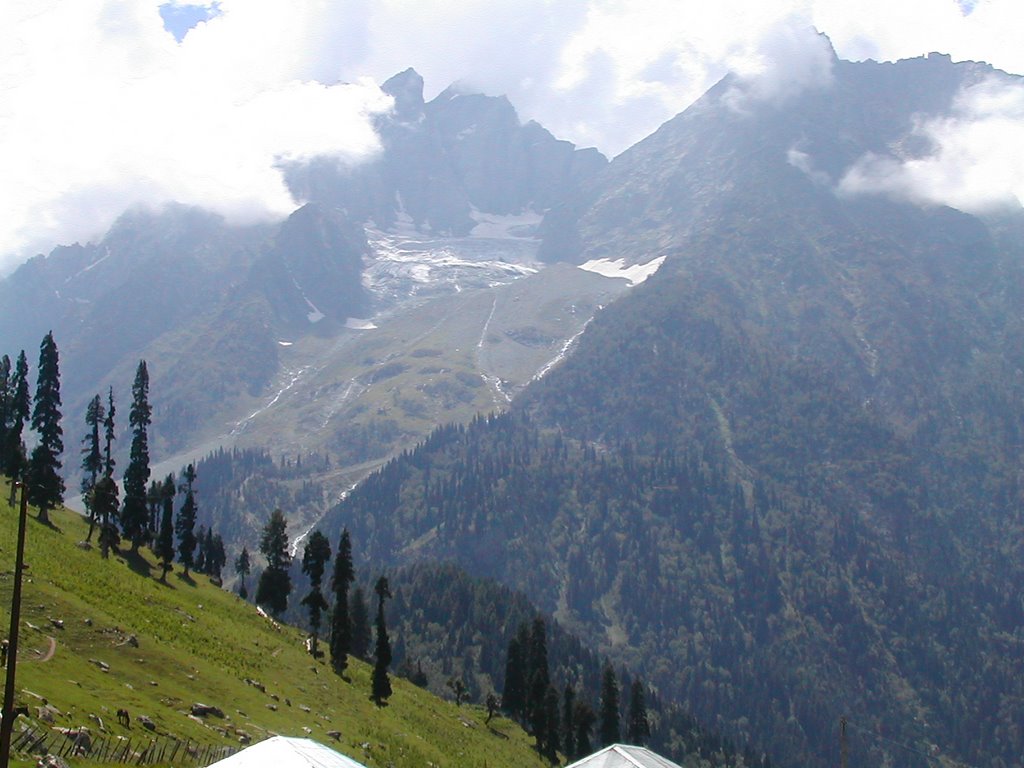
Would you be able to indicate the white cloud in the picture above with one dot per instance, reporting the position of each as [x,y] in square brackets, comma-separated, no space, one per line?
[100,107]
[974,161]
[102,110]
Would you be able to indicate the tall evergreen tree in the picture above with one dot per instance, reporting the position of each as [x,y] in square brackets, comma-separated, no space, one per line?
[201,541]
[275,583]
[165,537]
[45,485]
[513,697]
[638,729]
[569,722]
[341,627]
[20,405]
[154,503]
[109,436]
[583,717]
[216,557]
[185,522]
[539,681]
[134,517]
[6,398]
[361,634]
[549,746]
[92,457]
[104,505]
[315,555]
[381,690]
[609,727]
[243,566]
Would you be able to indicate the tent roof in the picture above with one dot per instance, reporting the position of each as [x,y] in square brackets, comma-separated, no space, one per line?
[286,752]
[624,756]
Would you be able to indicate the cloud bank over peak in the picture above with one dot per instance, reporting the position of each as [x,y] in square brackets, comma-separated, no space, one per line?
[973,162]
[103,107]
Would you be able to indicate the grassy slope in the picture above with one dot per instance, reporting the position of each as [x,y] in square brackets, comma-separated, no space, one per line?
[198,643]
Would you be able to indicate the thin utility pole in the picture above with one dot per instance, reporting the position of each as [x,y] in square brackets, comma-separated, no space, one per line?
[7,713]
[842,743]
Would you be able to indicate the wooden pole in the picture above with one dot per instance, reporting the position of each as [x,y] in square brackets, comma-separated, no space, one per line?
[7,713]
[842,743]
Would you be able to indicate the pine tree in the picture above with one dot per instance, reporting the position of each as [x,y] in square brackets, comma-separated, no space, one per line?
[550,745]
[6,399]
[583,717]
[109,436]
[275,583]
[638,730]
[185,522]
[243,565]
[45,485]
[199,563]
[341,627]
[513,697]
[19,406]
[104,505]
[165,538]
[361,635]
[92,457]
[216,558]
[134,517]
[569,722]
[381,690]
[540,679]
[609,728]
[315,555]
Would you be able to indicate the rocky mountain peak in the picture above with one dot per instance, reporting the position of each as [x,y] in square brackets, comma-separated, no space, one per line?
[407,90]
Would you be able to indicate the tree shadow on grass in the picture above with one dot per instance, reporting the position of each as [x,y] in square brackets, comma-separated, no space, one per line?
[48,524]
[186,577]
[138,563]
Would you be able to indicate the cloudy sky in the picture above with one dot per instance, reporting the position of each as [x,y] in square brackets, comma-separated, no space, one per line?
[106,104]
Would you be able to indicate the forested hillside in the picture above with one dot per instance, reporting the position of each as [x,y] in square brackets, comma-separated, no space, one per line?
[781,478]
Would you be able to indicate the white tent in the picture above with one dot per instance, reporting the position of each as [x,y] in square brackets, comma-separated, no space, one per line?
[623,756]
[285,752]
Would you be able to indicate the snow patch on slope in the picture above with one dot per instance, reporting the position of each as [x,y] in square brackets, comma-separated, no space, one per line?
[634,273]
[503,227]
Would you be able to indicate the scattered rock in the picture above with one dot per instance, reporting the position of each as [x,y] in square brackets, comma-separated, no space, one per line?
[244,738]
[88,622]
[154,683]
[288,702]
[307,730]
[51,761]
[101,664]
[57,623]
[275,697]
[336,735]
[304,708]
[272,707]
[205,710]
[84,545]
[98,720]
[48,713]
[81,739]
[145,722]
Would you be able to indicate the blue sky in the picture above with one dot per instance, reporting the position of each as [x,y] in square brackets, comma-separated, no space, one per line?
[179,19]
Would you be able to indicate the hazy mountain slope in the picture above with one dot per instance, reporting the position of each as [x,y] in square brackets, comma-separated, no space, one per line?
[441,161]
[781,474]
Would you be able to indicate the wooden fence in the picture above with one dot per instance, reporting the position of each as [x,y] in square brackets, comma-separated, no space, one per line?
[40,740]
